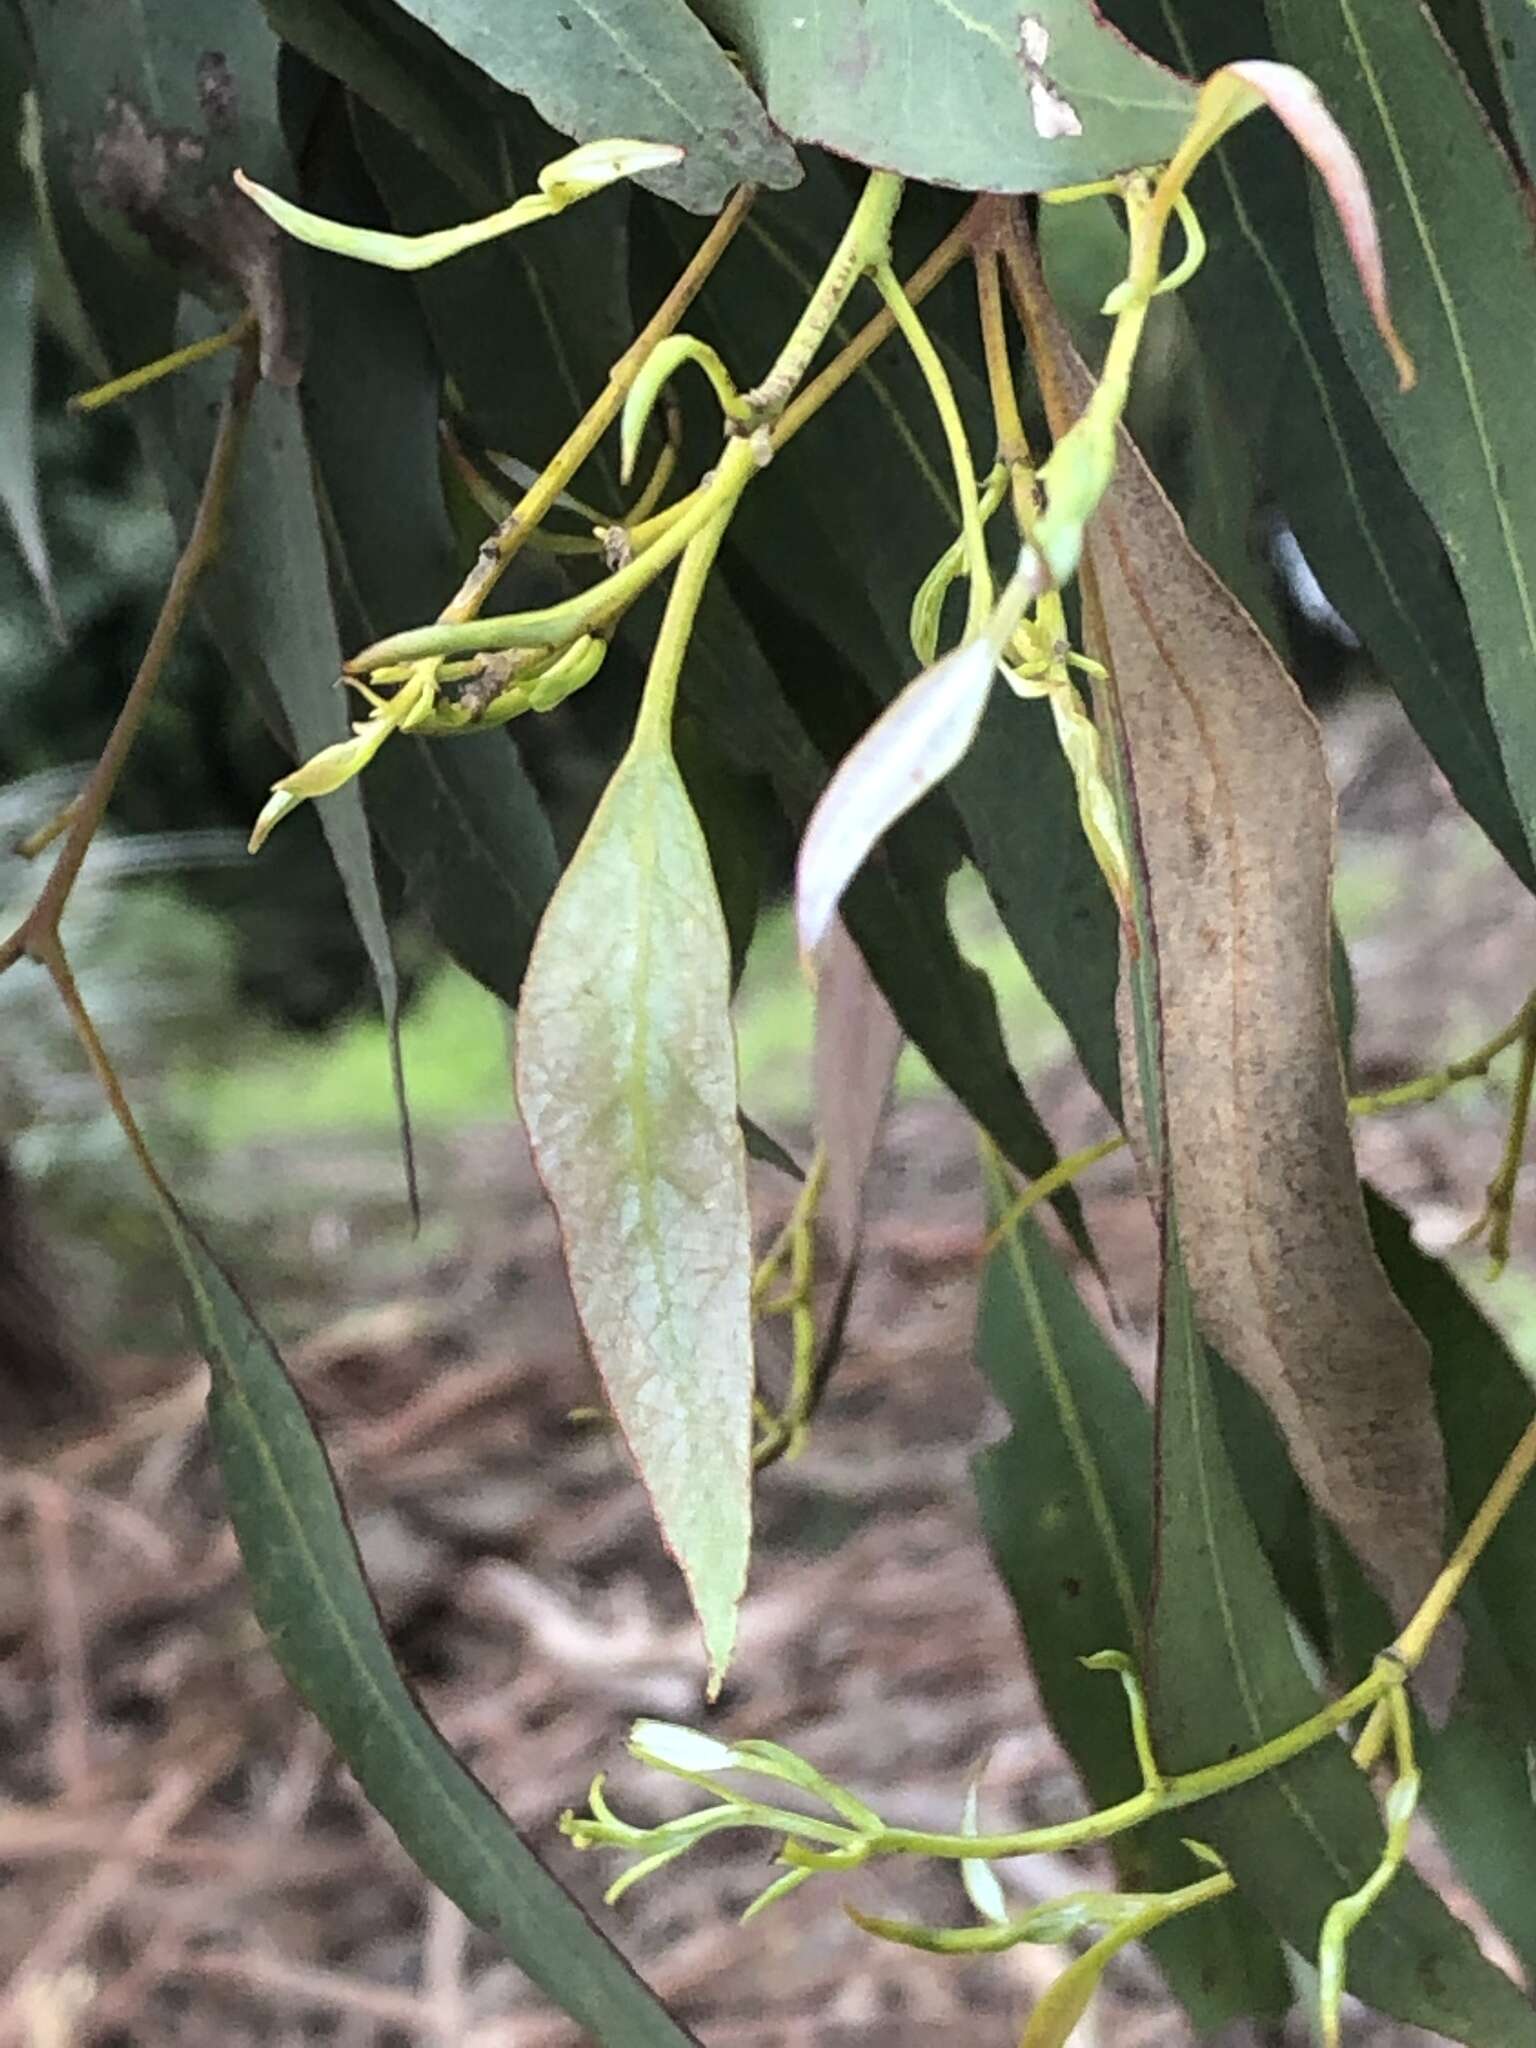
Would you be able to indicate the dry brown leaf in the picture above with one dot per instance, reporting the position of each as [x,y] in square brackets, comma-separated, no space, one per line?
[1236,820]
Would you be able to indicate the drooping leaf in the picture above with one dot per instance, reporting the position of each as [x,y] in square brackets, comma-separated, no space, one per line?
[1309,431]
[18,461]
[314,1603]
[1065,1504]
[989,98]
[1459,248]
[626,67]
[1235,822]
[461,818]
[288,655]
[195,87]
[1226,1678]
[626,1075]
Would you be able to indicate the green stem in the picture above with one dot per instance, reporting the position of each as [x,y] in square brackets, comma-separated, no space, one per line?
[942,392]
[866,243]
[1188,1789]
[559,623]
[653,727]
[501,548]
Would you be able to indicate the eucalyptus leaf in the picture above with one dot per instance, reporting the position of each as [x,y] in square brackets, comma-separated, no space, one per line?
[989,98]
[314,1603]
[1234,825]
[1065,1502]
[1454,230]
[1226,1678]
[646,68]
[626,1075]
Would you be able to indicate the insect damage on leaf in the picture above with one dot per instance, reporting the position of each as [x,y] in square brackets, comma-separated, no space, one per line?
[1234,817]
[169,186]
[1051,111]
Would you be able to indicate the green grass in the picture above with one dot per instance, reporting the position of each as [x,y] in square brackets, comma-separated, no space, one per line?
[456,1041]
[456,1048]
[457,1070]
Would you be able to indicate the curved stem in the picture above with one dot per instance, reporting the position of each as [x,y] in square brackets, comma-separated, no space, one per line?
[503,545]
[653,727]
[866,242]
[942,392]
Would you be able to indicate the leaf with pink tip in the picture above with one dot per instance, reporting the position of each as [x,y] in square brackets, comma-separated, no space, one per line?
[1237,90]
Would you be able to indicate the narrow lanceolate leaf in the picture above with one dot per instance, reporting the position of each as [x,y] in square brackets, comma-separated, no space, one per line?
[1235,821]
[1459,249]
[626,1074]
[989,97]
[626,67]
[314,1603]
[1065,1504]
[909,750]
[1225,1678]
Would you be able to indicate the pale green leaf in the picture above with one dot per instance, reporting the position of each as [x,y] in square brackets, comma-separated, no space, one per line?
[989,97]
[626,1073]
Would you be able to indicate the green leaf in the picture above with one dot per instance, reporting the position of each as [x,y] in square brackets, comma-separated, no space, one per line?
[388,62]
[1226,1678]
[1485,1399]
[315,1606]
[626,1075]
[1065,1505]
[18,459]
[288,654]
[1308,429]
[645,68]
[989,97]
[460,817]
[1512,33]
[1459,251]
[571,319]
[140,81]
